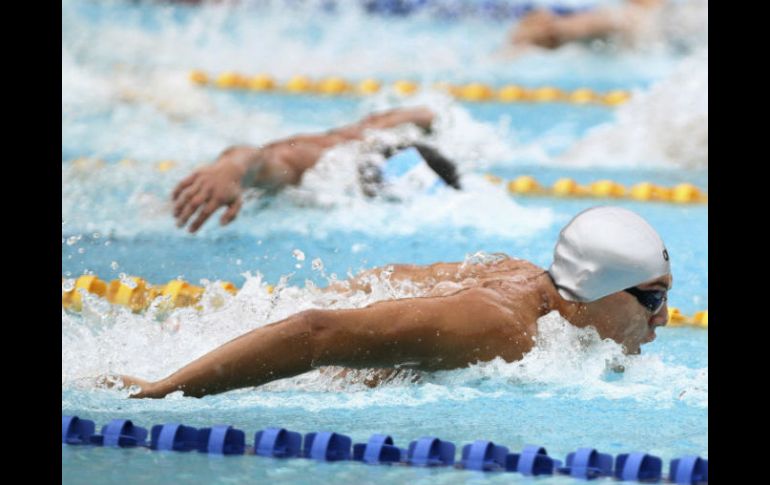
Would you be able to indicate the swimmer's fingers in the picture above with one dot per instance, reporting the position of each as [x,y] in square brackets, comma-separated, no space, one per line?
[194,203]
[186,182]
[231,211]
[211,206]
[186,195]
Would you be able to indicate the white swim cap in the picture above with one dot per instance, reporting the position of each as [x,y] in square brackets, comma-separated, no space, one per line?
[604,250]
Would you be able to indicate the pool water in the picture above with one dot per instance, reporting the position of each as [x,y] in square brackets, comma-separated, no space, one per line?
[125,95]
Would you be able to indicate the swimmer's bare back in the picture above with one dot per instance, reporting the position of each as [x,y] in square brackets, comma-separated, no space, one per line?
[470,313]
[442,279]
[439,279]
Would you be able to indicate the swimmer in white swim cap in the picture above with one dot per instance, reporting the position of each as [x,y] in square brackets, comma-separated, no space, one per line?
[610,271]
[606,254]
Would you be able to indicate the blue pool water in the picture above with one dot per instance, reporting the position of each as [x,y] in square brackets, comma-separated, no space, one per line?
[125,95]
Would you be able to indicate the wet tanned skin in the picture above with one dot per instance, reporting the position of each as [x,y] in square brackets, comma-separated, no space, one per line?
[470,313]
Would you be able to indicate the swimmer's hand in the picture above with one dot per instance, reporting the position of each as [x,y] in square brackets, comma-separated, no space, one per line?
[540,28]
[209,188]
[145,388]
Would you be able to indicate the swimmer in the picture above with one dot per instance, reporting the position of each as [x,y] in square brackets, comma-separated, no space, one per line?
[283,162]
[632,22]
[610,271]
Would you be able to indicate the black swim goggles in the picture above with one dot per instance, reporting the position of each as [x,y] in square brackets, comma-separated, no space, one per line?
[652,300]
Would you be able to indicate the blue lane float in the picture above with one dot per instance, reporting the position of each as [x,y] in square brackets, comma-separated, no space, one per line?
[587,463]
[492,9]
[481,455]
[222,440]
[120,433]
[76,431]
[277,443]
[484,456]
[533,460]
[379,450]
[638,466]
[689,470]
[327,446]
[173,437]
[431,451]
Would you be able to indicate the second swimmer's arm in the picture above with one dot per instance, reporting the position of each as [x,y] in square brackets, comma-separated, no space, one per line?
[273,166]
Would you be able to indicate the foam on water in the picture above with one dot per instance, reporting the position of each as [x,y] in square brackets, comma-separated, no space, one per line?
[666,126]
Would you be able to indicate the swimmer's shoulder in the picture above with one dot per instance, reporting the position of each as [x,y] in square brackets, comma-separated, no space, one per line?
[517,265]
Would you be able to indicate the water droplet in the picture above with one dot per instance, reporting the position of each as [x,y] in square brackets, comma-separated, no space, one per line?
[298,255]
[81,250]
[114,265]
[238,262]
[68,285]
[317,264]
[127,281]
[72,240]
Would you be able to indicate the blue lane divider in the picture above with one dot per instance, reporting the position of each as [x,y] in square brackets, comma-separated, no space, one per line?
[638,466]
[497,9]
[173,437]
[689,469]
[484,456]
[120,433]
[327,446]
[76,431]
[533,460]
[585,463]
[431,451]
[221,440]
[277,443]
[378,450]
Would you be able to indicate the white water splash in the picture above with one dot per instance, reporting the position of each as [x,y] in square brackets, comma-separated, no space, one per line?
[577,363]
[666,126]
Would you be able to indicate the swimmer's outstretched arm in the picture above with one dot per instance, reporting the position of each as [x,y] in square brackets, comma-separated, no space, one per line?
[423,333]
[273,166]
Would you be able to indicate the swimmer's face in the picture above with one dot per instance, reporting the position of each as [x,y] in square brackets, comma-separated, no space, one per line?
[622,318]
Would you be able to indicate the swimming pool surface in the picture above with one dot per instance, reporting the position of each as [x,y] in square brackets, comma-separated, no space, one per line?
[125,95]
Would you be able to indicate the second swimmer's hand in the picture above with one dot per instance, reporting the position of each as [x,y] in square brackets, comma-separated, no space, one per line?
[212,187]
[540,28]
